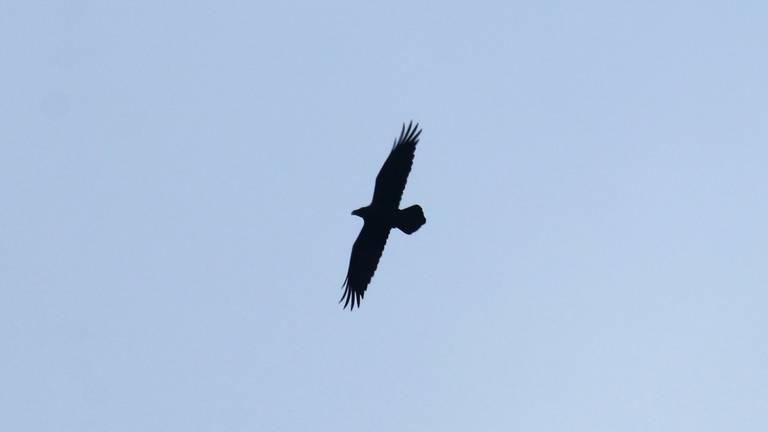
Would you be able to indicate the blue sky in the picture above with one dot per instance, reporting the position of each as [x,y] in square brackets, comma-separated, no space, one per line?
[178,176]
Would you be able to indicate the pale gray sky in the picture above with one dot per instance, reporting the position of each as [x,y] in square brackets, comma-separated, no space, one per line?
[177,179]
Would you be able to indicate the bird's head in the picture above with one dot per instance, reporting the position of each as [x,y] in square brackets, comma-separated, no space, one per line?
[361,212]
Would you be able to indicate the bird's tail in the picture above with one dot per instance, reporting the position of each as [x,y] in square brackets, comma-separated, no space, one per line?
[410,219]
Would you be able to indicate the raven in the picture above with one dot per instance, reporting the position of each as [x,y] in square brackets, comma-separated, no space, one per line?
[382,215]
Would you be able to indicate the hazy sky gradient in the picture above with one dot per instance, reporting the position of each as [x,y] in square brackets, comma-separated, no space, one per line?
[177,179]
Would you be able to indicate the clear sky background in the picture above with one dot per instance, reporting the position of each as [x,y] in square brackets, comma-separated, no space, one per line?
[177,179]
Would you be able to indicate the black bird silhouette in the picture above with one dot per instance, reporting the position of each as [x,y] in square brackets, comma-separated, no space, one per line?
[382,215]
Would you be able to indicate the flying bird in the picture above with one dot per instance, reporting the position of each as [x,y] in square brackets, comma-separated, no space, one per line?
[382,215]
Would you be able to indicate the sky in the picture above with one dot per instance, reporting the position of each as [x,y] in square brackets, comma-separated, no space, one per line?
[177,179]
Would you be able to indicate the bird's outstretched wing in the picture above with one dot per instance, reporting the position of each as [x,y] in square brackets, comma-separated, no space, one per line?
[366,253]
[393,175]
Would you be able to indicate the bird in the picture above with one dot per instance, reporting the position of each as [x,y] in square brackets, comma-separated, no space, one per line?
[382,215]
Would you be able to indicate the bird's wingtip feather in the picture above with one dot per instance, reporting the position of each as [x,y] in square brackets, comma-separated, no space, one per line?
[349,296]
[410,133]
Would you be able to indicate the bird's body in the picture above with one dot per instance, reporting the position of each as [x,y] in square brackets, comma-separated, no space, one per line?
[382,215]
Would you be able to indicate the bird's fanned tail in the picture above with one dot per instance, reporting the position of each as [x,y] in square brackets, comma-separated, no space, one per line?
[410,219]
